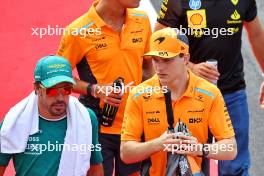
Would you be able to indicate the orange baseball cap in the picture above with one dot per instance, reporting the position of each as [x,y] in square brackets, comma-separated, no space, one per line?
[168,43]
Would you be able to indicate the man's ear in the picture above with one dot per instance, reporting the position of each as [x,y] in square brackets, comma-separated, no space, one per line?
[36,88]
[186,58]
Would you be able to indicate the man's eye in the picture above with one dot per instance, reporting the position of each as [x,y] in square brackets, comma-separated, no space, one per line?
[168,60]
[155,60]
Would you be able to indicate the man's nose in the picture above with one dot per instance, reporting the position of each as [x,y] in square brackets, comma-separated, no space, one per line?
[161,67]
[60,95]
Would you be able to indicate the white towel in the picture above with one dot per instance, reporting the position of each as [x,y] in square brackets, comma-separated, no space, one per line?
[23,120]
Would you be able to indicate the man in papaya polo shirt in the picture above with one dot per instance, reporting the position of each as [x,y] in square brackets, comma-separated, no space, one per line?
[196,102]
[110,41]
[219,37]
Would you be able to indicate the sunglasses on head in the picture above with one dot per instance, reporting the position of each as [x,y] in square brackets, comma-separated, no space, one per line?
[51,92]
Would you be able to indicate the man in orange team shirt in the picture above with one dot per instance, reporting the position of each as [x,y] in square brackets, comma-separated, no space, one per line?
[105,43]
[196,102]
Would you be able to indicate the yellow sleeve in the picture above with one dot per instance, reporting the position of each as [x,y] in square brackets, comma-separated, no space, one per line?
[70,47]
[219,120]
[132,128]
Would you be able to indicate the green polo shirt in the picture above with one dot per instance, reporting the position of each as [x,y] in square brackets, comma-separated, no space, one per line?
[43,152]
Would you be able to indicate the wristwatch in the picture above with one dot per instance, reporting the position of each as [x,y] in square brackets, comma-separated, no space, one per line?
[89,89]
[205,150]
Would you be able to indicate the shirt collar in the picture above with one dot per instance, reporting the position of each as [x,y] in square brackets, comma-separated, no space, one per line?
[99,22]
[191,85]
[92,14]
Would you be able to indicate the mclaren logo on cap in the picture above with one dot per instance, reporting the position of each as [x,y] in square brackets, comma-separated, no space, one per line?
[160,39]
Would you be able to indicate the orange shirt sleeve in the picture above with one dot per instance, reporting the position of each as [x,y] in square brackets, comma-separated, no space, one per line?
[219,120]
[132,128]
[70,47]
[149,35]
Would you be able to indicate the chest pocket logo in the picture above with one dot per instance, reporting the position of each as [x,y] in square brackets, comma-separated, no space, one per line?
[196,19]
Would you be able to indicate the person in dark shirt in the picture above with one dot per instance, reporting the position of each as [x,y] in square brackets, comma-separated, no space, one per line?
[214,29]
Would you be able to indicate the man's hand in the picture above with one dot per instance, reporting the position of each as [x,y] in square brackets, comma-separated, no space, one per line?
[206,71]
[261,96]
[189,146]
[96,170]
[186,145]
[255,33]
[164,140]
[2,170]
[108,93]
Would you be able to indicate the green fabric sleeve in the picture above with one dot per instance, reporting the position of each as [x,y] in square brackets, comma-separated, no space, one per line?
[96,155]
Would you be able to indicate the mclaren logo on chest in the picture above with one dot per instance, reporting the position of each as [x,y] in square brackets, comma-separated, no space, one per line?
[196,111]
[137,31]
[153,112]
[96,39]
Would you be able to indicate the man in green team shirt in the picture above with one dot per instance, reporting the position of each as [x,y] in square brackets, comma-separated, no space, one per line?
[43,151]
